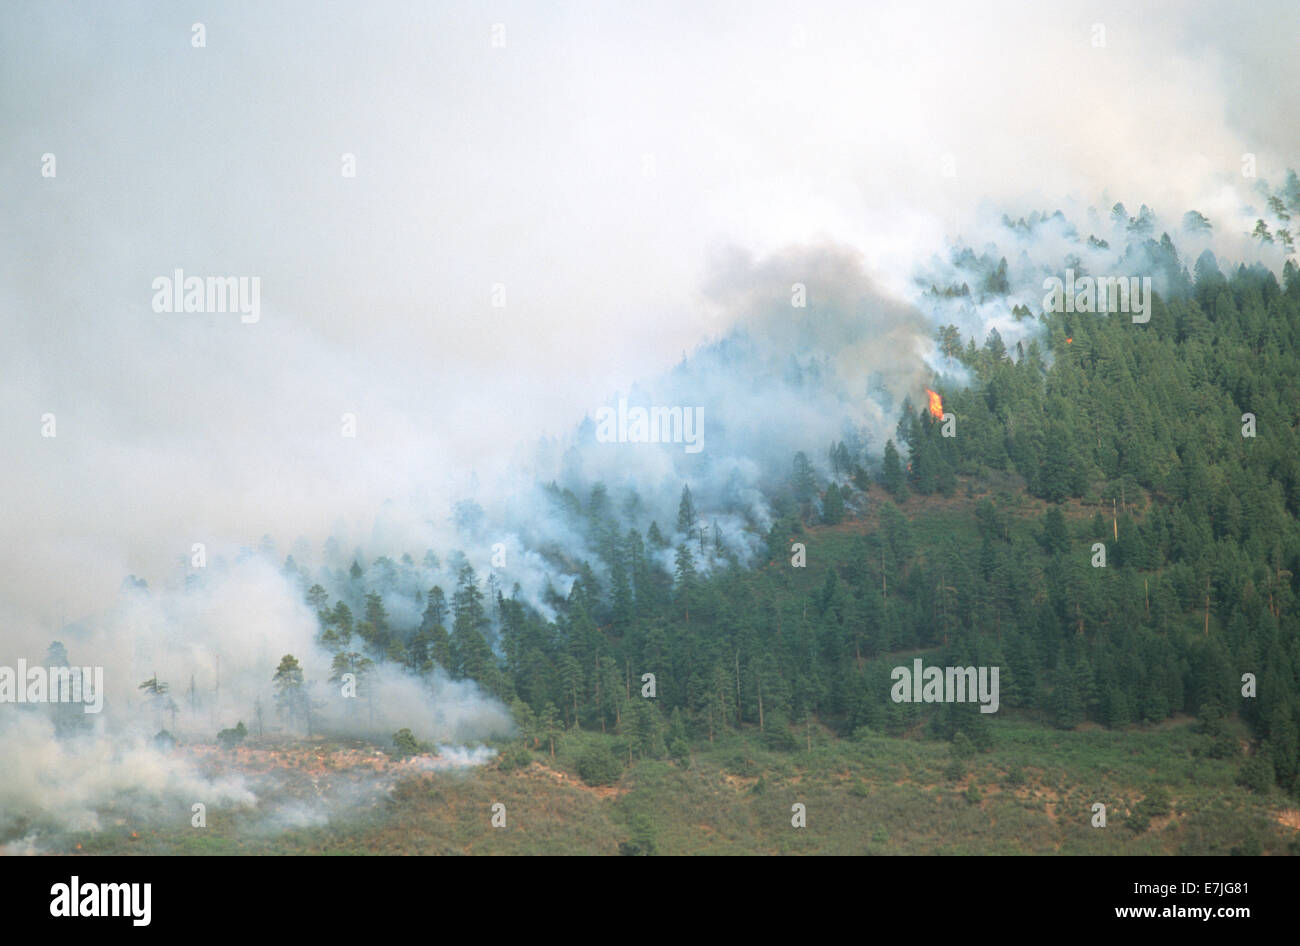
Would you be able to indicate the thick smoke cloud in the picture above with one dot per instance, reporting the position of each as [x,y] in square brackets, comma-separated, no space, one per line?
[525,166]
[816,354]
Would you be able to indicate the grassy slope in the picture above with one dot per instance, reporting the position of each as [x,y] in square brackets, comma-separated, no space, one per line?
[873,795]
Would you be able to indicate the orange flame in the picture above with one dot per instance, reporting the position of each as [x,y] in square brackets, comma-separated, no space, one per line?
[936,405]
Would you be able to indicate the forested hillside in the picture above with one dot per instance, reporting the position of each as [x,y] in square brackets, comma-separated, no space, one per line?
[1173,444]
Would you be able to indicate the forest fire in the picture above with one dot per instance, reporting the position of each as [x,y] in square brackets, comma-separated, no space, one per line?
[936,404]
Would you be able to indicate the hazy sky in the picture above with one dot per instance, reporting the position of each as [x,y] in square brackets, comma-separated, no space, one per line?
[595,165]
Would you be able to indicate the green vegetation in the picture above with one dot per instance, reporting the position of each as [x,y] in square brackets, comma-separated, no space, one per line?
[599,766]
[229,738]
[1114,526]
[871,794]
[406,745]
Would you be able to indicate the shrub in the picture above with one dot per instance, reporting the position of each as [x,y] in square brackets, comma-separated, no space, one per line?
[405,744]
[1156,804]
[738,764]
[780,739]
[229,738]
[1250,847]
[642,840]
[679,750]
[1257,773]
[516,757]
[599,766]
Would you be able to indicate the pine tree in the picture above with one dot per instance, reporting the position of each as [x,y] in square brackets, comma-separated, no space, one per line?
[892,472]
[290,688]
[686,514]
[803,481]
[833,506]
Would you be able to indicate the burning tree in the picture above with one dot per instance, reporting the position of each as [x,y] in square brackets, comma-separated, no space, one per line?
[936,404]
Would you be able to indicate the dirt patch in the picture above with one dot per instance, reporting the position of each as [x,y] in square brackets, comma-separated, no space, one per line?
[540,771]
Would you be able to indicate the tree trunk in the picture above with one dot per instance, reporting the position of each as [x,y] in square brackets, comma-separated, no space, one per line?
[1207,605]
[739,712]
